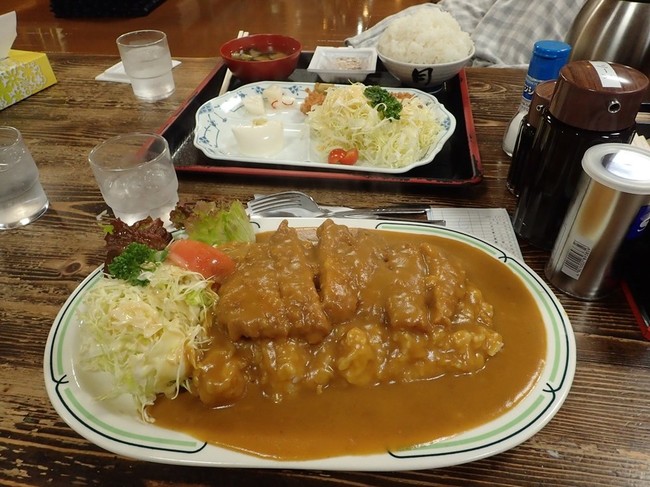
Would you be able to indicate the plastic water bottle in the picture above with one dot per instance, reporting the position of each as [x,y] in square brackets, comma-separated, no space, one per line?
[545,63]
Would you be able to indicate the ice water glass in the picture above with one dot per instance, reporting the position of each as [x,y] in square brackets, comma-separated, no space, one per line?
[22,199]
[148,63]
[136,176]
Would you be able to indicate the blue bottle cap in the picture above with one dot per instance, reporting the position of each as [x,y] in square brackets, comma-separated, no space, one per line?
[547,59]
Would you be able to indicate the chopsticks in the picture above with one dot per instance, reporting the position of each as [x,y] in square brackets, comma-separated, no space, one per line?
[228,76]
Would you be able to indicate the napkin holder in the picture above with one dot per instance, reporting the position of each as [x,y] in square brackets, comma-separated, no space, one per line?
[22,74]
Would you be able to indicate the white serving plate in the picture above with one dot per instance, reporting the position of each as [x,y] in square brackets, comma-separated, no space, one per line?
[116,425]
[215,119]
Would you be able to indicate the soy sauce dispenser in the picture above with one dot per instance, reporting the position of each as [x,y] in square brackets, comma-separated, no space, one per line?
[594,102]
[529,124]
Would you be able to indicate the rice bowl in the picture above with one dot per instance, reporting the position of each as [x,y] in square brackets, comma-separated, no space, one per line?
[430,37]
[425,49]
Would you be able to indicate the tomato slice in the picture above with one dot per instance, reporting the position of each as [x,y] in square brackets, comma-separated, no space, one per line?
[200,257]
[351,157]
[342,156]
[336,155]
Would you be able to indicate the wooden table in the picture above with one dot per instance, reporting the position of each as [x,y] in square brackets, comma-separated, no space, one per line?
[197,28]
[600,437]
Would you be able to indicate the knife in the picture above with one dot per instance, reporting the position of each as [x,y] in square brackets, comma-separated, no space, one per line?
[343,214]
[389,210]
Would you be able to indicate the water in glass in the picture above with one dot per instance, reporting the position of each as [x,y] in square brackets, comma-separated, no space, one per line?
[150,72]
[150,192]
[22,199]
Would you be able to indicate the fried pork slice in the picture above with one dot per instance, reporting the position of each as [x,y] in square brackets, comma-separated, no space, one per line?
[406,306]
[272,293]
[338,263]
[446,285]
[301,303]
[249,303]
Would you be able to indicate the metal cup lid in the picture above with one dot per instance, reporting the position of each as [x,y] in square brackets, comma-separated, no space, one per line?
[622,167]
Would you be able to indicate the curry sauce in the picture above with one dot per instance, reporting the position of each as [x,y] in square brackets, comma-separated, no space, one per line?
[399,339]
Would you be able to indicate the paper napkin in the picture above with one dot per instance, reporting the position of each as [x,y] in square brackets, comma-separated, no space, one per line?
[116,73]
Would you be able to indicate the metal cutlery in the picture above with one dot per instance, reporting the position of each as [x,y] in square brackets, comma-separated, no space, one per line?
[280,204]
[299,204]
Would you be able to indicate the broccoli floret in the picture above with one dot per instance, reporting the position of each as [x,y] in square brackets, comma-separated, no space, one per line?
[129,265]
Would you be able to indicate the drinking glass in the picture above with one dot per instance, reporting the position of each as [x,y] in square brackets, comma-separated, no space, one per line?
[22,199]
[148,63]
[136,176]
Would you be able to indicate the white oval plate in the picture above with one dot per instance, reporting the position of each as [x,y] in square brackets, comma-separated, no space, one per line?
[215,119]
[116,425]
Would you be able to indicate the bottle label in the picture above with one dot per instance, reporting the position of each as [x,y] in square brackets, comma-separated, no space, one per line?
[530,84]
[606,74]
[576,258]
[639,224]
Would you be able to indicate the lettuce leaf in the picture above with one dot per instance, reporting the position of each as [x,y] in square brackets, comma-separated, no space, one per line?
[213,223]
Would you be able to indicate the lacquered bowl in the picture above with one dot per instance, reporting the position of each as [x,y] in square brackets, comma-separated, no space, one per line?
[266,70]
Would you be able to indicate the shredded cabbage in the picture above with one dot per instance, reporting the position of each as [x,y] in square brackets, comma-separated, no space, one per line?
[346,120]
[147,338]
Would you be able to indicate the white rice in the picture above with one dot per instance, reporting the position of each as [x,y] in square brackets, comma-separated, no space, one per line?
[428,37]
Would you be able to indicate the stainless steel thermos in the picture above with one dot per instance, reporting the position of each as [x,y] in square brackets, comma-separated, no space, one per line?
[594,102]
[613,30]
[611,207]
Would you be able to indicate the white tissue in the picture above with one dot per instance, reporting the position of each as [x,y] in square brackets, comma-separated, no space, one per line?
[7,33]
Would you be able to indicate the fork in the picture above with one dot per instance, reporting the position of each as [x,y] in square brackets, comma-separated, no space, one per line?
[278,204]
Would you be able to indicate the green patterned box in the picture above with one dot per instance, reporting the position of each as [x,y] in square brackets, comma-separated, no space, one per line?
[22,74]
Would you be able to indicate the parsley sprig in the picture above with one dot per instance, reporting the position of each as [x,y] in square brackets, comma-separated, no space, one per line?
[385,103]
[135,259]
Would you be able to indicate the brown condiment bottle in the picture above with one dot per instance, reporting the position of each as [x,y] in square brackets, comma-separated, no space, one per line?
[529,125]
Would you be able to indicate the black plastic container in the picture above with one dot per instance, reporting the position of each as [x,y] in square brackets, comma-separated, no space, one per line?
[529,125]
[593,103]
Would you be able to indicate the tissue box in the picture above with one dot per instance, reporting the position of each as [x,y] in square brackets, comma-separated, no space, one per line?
[22,74]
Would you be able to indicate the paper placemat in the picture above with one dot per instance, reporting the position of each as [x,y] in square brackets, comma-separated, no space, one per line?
[490,224]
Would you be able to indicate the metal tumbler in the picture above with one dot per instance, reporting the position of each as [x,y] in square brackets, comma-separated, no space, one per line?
[611,206]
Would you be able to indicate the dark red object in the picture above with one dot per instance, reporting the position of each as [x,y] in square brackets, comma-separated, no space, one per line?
[271,70]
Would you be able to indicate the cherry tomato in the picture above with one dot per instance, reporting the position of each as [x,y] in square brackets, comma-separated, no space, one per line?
[200,257]
[336,155]
[351,157]
[342,156]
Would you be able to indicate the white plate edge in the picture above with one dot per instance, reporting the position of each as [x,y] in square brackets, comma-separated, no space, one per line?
[205,456]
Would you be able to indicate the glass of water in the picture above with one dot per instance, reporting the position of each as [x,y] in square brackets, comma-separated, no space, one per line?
[136,176]
[148,63]
[22,199]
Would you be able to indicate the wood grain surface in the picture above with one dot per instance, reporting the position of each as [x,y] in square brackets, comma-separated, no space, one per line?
[600,436]
[197,28]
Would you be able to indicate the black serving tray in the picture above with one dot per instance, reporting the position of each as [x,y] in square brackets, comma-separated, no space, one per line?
[457,164]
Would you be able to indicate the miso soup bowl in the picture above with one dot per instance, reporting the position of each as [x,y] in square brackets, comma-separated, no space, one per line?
[266,70]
